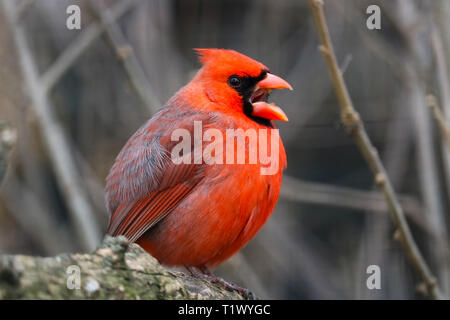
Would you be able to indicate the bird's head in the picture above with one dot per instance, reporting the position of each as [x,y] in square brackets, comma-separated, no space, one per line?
[238,82]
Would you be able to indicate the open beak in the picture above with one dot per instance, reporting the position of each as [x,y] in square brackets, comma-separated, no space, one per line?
[263,109]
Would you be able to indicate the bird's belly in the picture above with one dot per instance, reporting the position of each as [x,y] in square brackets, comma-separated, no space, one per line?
[215,221]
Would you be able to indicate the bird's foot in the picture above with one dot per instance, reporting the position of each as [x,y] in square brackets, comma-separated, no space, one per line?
[205,274]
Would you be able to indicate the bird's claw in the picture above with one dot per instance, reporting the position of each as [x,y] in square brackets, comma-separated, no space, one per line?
[205,274]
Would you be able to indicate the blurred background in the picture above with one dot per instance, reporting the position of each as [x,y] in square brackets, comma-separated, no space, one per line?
[70,99]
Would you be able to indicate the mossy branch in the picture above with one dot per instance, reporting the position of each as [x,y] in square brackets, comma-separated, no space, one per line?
[116,270]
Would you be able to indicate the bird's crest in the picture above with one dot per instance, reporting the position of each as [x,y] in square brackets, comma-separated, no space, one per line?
[224,59]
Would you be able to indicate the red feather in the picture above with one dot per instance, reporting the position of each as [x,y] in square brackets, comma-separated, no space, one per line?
[193,214]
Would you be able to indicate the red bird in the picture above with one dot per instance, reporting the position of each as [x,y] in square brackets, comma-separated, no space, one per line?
[198,215]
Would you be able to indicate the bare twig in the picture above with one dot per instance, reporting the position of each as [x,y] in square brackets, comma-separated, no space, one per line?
[355,128]
[93,185]
[415,27]
[127,58]
[80,44]
[305,259]
[337,196]
[443,125]
[32,214]
[444,90]
[54,138]
[8,137]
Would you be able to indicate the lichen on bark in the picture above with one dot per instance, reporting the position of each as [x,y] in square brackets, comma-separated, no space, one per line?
[116,270]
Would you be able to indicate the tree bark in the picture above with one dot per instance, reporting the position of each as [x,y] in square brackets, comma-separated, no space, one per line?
[116,270]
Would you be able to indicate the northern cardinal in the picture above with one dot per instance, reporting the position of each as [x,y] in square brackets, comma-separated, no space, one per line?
[197,215]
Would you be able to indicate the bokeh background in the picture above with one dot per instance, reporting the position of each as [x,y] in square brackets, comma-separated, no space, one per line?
[68,107]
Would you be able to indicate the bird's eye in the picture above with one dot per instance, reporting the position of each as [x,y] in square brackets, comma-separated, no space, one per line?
[234,81]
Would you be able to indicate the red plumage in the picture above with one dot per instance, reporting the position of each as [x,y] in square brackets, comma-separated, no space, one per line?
[197,214]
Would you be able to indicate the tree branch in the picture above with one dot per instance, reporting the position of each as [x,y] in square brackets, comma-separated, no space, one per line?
[440,119]
[127,57]
[80,44]
[116,270]
[323,194]
[55,139]
[355,128]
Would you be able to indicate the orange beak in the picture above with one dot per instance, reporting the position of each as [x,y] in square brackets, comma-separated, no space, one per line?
[272,81]
[266,110]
